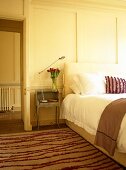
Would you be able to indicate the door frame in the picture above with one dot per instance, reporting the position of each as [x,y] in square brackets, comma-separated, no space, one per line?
[20,27]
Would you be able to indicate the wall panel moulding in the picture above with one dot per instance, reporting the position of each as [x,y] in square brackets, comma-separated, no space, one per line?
[82,3]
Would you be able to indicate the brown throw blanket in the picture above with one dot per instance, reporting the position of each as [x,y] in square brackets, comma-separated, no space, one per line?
[109,125]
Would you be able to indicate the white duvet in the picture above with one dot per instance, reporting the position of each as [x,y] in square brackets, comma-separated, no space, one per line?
[85,111]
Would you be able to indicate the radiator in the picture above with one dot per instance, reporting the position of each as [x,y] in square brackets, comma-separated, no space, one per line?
[5,99]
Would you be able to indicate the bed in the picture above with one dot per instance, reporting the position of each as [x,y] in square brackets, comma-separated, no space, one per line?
[82,108]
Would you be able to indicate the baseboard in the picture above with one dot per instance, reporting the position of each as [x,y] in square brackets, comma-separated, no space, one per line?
[47,122]
[16,108]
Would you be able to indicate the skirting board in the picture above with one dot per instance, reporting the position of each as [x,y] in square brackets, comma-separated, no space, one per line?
[46,122]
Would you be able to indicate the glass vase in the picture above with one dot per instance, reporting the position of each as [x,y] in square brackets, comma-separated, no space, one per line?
[54,84]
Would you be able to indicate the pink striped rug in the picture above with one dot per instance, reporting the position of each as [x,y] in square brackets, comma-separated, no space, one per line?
[54,149]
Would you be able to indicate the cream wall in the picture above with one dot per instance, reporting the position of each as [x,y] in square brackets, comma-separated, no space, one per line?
[96,37]
[11,8]
[83,32]
[101,36]
[53,34]
[121,39]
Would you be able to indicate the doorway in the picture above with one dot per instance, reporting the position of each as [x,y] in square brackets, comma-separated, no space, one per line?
[11,69]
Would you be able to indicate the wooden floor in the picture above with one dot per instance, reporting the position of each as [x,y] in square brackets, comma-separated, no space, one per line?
[11,126]
[12,123]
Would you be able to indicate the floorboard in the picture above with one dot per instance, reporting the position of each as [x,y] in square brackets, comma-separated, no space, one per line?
[10,122]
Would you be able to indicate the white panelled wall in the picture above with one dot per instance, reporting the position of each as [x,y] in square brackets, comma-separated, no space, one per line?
[121,39]
[87,33]
[101,37]
[53,34]
[96,37]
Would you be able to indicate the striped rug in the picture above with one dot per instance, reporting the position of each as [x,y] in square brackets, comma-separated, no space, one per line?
[56,149]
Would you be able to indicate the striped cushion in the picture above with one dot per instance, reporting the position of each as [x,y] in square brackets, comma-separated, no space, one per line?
[115,84]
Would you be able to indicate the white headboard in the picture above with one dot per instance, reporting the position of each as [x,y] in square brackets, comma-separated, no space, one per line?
[71,69]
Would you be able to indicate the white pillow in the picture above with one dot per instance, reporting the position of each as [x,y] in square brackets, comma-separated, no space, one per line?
[75,89]
[75,85]
[91,83]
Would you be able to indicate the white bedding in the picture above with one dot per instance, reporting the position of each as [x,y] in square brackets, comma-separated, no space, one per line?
[85,111]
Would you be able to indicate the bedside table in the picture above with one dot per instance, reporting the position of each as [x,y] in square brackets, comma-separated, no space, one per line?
[47,98]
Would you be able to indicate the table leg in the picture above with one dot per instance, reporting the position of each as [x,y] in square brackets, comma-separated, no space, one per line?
[38,118]
[57,115]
